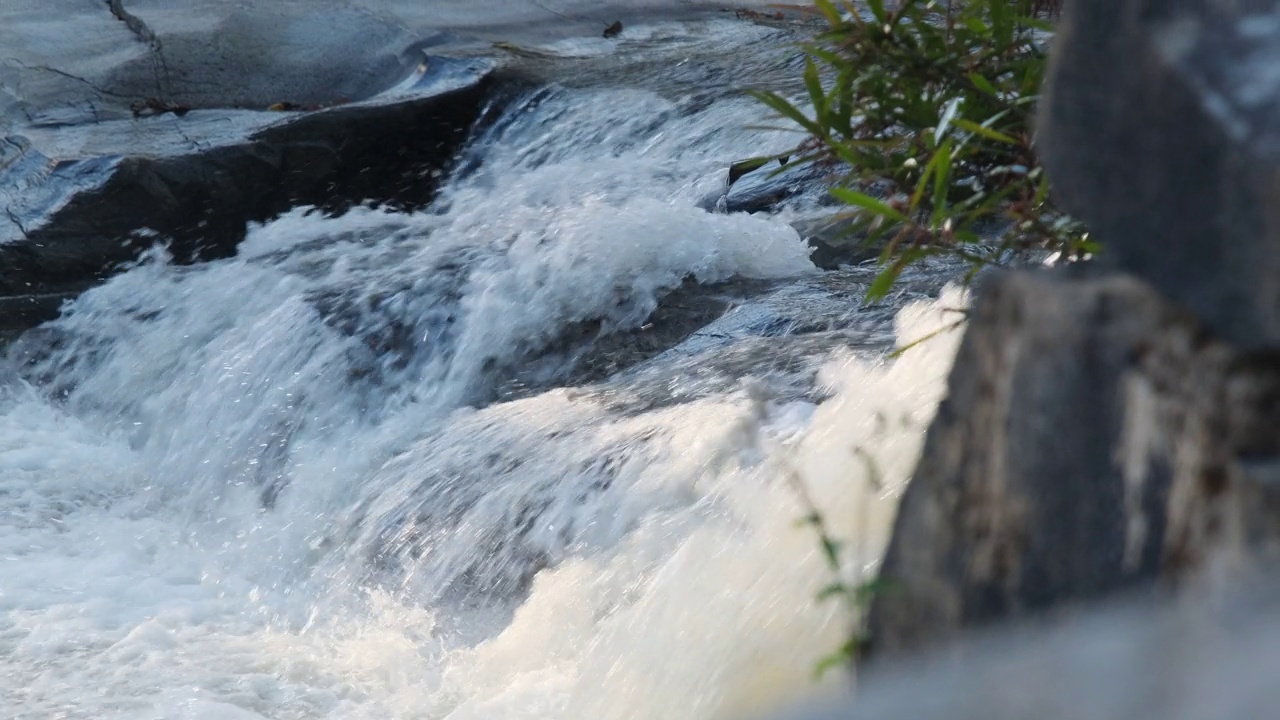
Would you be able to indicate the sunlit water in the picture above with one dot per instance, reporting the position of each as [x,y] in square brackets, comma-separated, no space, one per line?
[286,485]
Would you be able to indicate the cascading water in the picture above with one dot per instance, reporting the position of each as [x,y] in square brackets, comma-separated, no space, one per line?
[349,473]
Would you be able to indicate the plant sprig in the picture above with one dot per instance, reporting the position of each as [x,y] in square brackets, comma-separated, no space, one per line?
[930,111]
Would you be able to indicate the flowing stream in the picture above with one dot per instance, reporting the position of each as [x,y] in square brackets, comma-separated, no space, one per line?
[388,464]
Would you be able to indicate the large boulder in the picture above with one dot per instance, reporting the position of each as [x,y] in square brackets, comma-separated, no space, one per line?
[1095,437]
[80,202]
[76,61]
[126,122]
[200,194]
[1161,129]
[1119,426]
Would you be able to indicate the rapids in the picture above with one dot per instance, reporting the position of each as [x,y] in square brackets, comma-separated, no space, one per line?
[357,471]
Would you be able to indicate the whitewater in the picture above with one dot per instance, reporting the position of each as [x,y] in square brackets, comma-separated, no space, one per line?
[356,471]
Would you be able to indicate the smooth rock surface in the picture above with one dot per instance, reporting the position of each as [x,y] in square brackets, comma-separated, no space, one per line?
[1142,658]
[131,122]
[73,221]
[71,61]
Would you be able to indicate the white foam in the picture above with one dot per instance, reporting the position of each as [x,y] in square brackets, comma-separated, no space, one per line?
[696,602]
[253,488]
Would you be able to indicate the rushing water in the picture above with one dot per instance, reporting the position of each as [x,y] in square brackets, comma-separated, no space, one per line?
[343,474]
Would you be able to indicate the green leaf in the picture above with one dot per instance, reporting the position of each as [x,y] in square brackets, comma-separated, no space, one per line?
[983,84]
[842,94]
[1088,246]
[948,114]
[787,110]
[742,167]
[931,170]
[831,549]
[977,27]
[825,55]
[958,96]
[847,153]
[1001,23]
[814,85]
[835,589]
[920,341]
[940,177]
[871,467]
[1042,190]
[877,10]
[810,519]
[828,11]
[871,588]
[837,659]
[865,201]
[884,281]
[1034,23]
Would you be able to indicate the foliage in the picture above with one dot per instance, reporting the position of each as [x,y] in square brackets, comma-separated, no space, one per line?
[856,597]
[928,109]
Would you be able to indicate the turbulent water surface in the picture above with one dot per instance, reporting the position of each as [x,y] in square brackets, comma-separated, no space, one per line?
[355,472]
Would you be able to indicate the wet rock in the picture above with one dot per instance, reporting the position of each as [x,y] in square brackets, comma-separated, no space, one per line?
[71,61]
[76,61]
[1096,437]
[20,312]
[73,222]
[1162,131]
[767,187]
[679,314]
[834,242]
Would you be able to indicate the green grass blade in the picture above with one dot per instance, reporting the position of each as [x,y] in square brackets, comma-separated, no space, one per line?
[866,202]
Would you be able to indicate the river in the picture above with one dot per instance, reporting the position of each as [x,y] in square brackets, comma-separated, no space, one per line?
[382,465]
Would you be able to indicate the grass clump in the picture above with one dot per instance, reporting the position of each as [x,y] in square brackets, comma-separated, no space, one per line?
[927,111]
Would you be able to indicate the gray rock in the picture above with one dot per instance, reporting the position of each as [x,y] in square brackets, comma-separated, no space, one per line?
[1115,428]
[74,61]
[834,242]
[1137,659]
[1161,129]
[87,184]
[1096,437]
[71,222]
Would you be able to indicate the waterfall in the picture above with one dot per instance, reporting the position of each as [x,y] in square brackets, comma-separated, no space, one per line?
[356,471]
